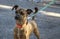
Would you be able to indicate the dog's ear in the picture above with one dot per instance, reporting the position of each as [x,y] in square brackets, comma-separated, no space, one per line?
[29,11]
[15,7]
[35,10]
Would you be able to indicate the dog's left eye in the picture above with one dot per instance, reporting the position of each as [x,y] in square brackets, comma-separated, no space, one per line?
[21,13]
[16,12]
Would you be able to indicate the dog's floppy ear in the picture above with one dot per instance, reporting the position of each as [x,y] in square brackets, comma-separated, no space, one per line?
[29,11]
[35,10]
[15,7]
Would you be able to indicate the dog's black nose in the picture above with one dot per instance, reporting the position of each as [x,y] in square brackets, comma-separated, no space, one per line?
[17,17]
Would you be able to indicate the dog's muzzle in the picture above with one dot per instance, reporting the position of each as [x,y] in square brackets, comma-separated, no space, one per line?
[17,17]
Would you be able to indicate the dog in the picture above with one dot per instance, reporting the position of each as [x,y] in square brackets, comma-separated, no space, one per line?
[24,28]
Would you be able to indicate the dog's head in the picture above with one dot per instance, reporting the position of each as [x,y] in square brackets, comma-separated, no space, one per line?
[21,14]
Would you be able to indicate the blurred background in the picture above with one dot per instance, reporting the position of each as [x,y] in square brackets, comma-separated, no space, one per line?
[48,20]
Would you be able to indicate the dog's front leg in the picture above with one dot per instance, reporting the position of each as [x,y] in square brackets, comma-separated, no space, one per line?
[36,32]
[15,34]
[27,36]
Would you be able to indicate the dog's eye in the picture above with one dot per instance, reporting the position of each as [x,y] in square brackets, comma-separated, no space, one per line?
[16,12]
[21,13]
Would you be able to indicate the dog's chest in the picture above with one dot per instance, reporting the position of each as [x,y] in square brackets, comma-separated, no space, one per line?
[21,33]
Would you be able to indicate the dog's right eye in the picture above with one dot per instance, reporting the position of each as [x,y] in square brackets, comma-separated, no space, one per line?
[21,13]
[16,12]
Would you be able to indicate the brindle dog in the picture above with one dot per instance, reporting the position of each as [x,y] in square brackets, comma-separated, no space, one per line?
[23,27]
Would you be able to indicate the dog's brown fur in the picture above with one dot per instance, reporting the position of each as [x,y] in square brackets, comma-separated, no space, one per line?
[27,27]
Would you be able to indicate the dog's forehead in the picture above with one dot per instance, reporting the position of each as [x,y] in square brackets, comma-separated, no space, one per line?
[23,10]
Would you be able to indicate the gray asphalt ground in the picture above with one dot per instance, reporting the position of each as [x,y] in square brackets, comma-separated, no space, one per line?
[49,26]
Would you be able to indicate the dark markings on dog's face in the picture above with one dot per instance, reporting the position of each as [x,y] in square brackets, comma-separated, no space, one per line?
[21,14]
